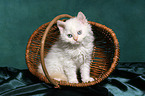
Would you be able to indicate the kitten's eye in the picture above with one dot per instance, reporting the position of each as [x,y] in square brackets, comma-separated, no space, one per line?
[69,35]
[79,32]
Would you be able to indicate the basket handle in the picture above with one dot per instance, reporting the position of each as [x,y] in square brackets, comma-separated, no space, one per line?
[42,48]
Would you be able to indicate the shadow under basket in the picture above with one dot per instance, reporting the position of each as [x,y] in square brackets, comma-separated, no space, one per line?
[105,55]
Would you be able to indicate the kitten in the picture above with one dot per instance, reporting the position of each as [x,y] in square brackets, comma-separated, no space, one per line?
[72,51]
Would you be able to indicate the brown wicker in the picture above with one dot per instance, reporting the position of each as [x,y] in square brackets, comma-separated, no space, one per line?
[104,58]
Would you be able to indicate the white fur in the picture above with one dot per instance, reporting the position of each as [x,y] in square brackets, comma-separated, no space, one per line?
[68,55]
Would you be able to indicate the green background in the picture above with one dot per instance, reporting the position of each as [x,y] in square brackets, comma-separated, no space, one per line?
[20,18]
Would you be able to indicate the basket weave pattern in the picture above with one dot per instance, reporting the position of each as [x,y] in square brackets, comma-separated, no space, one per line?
[105,54]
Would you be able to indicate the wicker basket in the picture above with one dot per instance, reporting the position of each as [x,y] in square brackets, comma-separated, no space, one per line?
[105,53]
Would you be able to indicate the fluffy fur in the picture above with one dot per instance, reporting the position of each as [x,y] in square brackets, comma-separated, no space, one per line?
[72,51]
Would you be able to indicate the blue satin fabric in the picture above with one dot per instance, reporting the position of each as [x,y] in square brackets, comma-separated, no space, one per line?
[128,79]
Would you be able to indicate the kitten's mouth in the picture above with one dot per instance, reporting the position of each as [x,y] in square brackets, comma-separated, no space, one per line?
[77,42]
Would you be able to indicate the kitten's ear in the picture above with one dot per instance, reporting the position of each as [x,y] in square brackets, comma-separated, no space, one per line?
[61,25]
[81,17]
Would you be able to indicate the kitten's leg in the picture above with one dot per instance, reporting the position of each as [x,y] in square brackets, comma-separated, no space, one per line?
[54,72]
[58,76]
[85,72]
[70,71]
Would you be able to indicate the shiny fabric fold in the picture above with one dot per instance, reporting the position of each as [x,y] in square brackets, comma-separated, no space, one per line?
[128,79]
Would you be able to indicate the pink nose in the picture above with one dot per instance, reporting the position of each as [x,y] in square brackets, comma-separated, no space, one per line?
[75,38]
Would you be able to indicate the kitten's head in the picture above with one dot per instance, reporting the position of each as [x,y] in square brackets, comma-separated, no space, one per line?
[75,29]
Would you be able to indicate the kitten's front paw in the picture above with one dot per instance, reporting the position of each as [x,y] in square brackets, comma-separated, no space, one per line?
[73,81]
[86,80]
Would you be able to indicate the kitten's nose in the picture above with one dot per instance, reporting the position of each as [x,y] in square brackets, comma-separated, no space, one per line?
[75,38]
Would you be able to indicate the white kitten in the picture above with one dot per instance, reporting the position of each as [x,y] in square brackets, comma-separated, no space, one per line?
[72,51]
